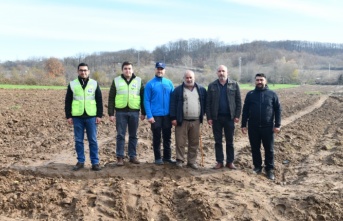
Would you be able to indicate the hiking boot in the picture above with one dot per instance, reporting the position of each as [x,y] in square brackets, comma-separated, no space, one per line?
[78,166]
[134,160]
[96,167]
[120,161]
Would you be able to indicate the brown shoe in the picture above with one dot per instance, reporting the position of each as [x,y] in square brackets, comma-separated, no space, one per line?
[120,161]
[231,166]
[218,166]
[134,160]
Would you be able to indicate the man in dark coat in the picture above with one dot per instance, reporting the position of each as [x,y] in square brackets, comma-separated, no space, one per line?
[262,113]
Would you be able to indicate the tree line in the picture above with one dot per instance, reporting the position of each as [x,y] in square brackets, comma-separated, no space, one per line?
[295,62]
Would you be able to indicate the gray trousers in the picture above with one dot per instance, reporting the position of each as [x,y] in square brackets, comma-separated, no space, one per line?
[188,132]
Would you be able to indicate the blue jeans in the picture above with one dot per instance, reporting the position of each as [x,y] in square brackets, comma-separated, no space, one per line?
[130,120]
[80,124]
[229,128]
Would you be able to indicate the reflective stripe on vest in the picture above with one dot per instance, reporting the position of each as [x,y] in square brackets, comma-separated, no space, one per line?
[128,95]
[83,99]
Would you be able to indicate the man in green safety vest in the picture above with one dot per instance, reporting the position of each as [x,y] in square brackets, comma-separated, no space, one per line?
[83,109]
[126,100]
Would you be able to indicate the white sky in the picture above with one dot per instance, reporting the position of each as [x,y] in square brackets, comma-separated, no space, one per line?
[38,28]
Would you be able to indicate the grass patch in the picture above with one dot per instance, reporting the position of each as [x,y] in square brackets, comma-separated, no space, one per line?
[13,86]
[15,107]
[242,86]
[271,86]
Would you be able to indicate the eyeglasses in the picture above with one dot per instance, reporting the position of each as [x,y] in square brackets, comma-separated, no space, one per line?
[82,70]
[160,68]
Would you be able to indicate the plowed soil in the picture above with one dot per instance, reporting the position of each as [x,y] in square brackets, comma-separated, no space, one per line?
[37,154]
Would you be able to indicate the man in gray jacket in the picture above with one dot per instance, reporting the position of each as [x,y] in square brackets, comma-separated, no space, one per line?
[223,109]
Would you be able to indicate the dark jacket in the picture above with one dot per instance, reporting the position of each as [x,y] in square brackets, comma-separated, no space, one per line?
[233,95]
[69,100]
[176,103]
[112,95]
[261,108]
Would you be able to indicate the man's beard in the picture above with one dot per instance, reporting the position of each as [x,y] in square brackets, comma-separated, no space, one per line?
[189,84]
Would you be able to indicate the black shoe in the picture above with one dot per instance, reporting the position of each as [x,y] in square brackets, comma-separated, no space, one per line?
[78,166]
[270,175]
[169,161]
[257,170]
[96,167]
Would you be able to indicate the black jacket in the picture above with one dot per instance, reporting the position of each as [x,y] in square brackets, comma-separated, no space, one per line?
[261,109]
[176,103]
[233,95]
[69,100]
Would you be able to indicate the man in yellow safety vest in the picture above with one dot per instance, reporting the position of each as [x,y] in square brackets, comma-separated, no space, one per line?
[83,109]
[126,100]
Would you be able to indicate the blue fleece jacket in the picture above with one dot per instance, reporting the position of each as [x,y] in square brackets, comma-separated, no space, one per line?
[157,96]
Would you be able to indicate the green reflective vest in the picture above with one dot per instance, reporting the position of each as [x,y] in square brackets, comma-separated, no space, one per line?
[128,95]
[83,99]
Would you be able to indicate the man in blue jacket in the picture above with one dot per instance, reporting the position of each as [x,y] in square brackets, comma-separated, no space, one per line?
[262,112]
[187,109]
[156,102]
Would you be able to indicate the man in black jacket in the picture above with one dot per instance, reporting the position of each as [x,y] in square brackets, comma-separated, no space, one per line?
[187,109]
[262,112]
[223,109]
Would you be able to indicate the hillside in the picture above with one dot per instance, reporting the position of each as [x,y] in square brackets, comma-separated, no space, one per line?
[296,62]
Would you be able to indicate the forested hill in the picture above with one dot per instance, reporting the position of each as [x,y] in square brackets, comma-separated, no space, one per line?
[283,61]
[318,48]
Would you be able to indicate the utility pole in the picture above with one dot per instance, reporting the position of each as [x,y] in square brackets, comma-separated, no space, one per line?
[240,67]
[138,58]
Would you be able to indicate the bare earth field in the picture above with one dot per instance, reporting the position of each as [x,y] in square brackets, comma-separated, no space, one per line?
[37,154]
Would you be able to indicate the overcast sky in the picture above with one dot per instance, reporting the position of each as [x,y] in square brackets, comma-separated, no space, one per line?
[62,28]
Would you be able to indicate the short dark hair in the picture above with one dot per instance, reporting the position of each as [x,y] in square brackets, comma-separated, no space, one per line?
[260,75]
[125,63]
[82,64]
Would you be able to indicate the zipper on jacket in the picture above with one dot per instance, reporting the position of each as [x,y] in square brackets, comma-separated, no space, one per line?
[164,94]
[260,108]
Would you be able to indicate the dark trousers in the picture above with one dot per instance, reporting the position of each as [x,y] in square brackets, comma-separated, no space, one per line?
[229,129]
[264,135]
[162,126]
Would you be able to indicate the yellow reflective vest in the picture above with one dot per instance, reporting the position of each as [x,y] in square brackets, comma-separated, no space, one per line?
[128,95]
[83,99]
